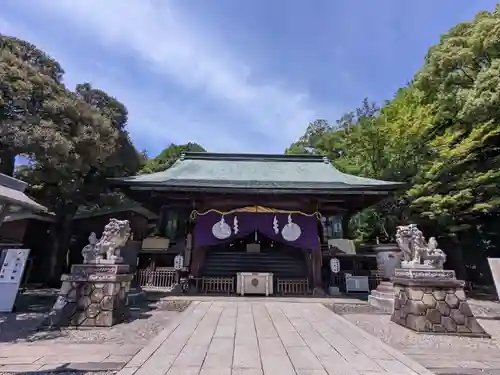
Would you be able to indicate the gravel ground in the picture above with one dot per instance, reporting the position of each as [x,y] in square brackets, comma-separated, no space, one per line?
[146,321]
[438,352]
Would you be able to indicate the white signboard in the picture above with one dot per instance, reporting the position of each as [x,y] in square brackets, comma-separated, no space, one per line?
[12,263]
[495,273]
[178,262]
[356,284]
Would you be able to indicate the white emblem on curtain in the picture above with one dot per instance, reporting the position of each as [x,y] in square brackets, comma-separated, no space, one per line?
[291,231]
[236,228]
[221,230]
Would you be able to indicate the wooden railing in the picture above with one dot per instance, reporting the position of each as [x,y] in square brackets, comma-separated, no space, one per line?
[292,286]
[158,279]
[217,285]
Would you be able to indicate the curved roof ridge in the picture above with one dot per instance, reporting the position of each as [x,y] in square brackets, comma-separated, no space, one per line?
[254,157]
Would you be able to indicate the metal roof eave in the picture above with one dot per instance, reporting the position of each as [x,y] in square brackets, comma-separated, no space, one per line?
[246,190]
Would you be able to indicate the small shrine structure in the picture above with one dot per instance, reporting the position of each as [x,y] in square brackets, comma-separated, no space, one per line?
[250,223]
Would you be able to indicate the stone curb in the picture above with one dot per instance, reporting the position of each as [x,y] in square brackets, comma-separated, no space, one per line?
[143,355]
[218,298]
[415,366]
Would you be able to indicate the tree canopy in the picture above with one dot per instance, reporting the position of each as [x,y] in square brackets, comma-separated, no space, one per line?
[168,156]
[440,134]
[73,140]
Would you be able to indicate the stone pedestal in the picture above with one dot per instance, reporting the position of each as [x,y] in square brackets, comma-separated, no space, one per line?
[388,259]
[383,297]
[92,295]
[433,301]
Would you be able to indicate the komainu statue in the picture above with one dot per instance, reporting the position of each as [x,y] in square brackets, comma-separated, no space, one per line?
[88,252]
[107,248]
[416,251]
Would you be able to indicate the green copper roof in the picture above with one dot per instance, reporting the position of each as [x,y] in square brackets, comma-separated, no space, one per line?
[255,171]
[12,193]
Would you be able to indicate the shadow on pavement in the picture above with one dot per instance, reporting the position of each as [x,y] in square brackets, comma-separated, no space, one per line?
[25,323]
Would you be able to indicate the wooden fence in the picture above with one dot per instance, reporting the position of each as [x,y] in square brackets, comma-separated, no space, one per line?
[158,279]
[217,285]
[292,286]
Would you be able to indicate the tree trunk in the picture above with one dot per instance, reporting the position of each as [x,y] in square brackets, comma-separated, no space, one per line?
[7,162]
[60,246]
[454,250]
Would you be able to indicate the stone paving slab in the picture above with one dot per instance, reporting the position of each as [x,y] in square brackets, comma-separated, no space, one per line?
[22,357]
[267,338]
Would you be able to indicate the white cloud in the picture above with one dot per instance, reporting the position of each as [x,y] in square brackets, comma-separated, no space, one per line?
[153,121]
[170,43]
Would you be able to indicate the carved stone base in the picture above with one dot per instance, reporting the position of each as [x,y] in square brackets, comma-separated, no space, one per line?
[92,296]
[434,305]
[383,297]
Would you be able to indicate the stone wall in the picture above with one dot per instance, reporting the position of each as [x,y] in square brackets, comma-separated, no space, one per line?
[434,306]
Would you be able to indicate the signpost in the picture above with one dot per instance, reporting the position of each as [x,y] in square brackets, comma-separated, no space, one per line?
[12,263]
[495,272]
[178,262]
[334,290]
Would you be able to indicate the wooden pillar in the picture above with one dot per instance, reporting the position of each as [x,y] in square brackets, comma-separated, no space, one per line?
[345,225]
[307,256]
[197,260]
[316,260]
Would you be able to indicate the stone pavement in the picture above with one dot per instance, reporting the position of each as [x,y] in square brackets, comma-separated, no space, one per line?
[21,357]
[267,338]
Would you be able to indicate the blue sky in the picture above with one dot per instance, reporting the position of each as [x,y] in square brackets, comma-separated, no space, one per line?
[235,75]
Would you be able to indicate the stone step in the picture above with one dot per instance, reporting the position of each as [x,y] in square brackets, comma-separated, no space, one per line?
[381,301]
[380,294]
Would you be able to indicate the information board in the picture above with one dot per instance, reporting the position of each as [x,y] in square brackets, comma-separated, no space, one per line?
[12,263]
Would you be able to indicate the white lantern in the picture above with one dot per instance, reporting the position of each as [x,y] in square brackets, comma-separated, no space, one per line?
[335,265]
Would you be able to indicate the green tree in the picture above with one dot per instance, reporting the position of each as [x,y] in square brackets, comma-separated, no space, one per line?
[377,142]
[70,186]
[168,156]
[30,89]
[461,79]
[459,191]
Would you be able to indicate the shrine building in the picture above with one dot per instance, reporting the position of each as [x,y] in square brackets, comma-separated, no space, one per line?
[249,223]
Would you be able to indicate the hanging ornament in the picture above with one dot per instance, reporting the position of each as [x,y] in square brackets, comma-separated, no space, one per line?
[236,228]
[276,226]
[221,230]
[291,231]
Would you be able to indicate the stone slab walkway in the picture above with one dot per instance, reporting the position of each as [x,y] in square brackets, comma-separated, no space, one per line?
[267,338]
[23,358]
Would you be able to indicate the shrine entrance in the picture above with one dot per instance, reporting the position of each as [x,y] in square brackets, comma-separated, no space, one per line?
[255,250]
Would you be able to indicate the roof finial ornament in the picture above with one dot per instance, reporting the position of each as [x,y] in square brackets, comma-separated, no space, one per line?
[325,160]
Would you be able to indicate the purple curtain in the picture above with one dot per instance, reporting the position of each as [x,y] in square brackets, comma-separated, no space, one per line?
[297,230]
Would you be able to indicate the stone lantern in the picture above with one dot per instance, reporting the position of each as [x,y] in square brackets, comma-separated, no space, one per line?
[388,259]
